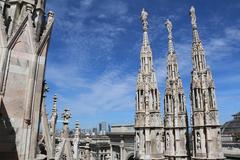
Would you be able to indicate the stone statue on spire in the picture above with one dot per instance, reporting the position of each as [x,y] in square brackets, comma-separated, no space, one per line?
[144,16]
[168,24]
[193,16]
[169,27]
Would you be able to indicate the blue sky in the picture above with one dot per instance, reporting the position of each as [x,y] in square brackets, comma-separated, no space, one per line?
[93,58]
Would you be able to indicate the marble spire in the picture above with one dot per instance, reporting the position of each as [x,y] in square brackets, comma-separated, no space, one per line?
[148,124]
[175,119]
[64,147]
[205,123]
[53,122]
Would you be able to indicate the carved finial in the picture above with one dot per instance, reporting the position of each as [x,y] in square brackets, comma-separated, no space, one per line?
[193,16]
[46,89]
[50,17]
[144,16]
[55,98]
[50,14]
[54,109]
[29,8]
[66,115]
[77,129]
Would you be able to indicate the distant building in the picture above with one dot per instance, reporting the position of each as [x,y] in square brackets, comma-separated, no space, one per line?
[231,137]
[104,128]
[122,142]
[231,129]
[94,131]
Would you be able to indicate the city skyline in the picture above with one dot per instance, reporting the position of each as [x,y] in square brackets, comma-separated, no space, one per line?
[94,56]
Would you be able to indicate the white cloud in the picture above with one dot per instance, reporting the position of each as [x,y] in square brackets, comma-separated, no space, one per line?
[112,90]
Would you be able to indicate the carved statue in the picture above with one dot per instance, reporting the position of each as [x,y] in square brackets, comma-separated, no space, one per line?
[198,141]
[193,16]
[144,16]
[168,24]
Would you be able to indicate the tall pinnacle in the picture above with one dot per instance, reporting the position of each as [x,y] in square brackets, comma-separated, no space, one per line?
[198,55]
[205,123]
[144,16]
[146,52]
[175,117]
[172,66]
